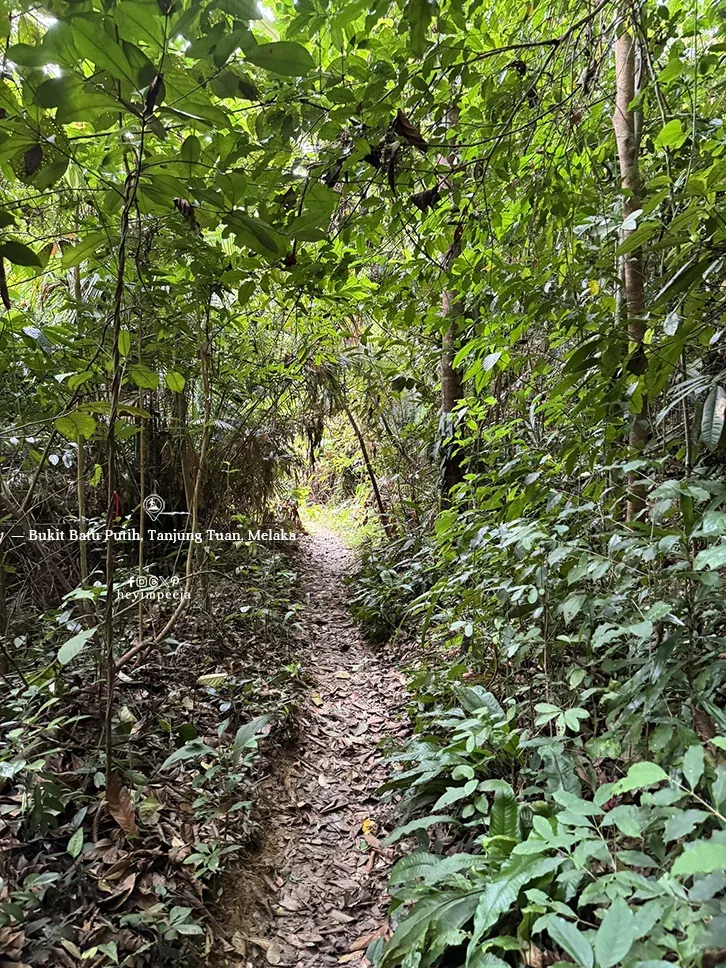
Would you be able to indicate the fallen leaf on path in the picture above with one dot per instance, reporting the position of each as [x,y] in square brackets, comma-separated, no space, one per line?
[317,699]
[274,954]
[351,956]
[368,825]
[360,944]
[341,917]
[340,674]
[120,806]
[260,942]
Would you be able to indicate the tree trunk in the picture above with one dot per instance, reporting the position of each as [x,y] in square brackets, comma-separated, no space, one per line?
[451,391]
[626,125]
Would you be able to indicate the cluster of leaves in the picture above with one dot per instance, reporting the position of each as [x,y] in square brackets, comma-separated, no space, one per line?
[121,874]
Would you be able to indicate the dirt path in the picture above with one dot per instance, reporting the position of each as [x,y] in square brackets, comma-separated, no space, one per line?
[315,893]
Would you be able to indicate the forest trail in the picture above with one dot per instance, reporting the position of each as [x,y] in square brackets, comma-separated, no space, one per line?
[314,894]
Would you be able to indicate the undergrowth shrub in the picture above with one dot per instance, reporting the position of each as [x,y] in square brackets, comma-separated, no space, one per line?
[570,807]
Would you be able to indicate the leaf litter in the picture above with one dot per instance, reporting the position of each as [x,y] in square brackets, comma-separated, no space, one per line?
[314,891]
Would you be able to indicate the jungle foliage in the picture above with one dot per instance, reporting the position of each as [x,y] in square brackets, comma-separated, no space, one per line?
[226,226]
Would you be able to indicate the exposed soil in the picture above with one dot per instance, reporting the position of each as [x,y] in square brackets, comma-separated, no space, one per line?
[314,893]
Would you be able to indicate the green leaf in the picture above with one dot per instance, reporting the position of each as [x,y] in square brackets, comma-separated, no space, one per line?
[70,649]
[712,419]
[688,275]
[681,823]
[672,135]
[571,940]
[501,893]
[702,857]
[639,775]
[718,789]
[94,44]
[504,815]
[75,844]
[191,150]
[175,381]
[124,342]
[19,254]
[140,21]
[571,606]
[192,750]
[76,424]
[143,377]
[455,793]
[245,737]
[422,823]
[713,558]
[616,934]
[283,57]
[88,246]
[418,14]
[258,235]
[693,764]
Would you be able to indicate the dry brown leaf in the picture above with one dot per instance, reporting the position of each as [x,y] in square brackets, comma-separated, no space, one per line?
[274,954]
[411,132]
[260,942]
[372,841]
[120,806]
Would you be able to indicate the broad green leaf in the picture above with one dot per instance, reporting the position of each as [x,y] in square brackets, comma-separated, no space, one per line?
[682,823]
[718,789]
[571,940]
[501,892]
[124,342]
[144,377]
[672,135]
[86,247]
[422,823]
[76,425]
[247,733]
[70,649]
[616,934]
[572,606]
[191,150]
[454,794]
[19,254]
[712,419]
[174,381]
[140,21]
[702,857]
[504,815]
[75,844]
[418,15]
[94,44]
[693,764]
[192,750]
[282,57]
[639,775]
[713,558]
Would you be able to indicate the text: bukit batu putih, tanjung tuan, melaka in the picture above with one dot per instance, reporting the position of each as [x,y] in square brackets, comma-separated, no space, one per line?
[153,534]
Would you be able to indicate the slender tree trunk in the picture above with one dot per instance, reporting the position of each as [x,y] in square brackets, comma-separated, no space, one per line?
[383,514]
[452,309]
[626,123]
[81,496]
[451,386]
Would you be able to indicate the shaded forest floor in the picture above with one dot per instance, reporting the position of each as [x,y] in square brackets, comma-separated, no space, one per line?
[314,891]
